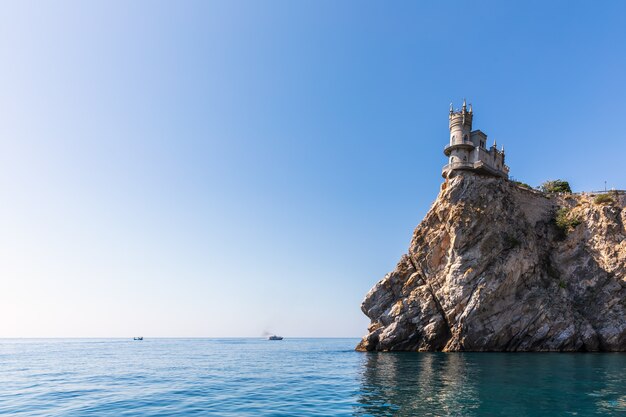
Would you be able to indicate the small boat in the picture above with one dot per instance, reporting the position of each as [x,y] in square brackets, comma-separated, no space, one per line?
[274,337]
[138,338]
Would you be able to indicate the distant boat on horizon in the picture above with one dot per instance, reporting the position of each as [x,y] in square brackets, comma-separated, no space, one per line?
[274,337]
[138,338]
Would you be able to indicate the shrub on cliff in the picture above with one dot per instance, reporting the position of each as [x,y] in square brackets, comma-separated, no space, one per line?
[603,199]
[521,184]
[555,186]
[565,221]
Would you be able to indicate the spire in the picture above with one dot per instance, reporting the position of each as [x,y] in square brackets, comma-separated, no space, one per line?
[464,105]
[502,148]
[451,108]
[495,145]
[470,107]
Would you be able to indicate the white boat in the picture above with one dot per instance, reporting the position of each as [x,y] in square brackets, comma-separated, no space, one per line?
[274,337]
[138,338]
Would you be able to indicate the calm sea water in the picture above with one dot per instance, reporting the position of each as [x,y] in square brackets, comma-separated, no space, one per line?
[297,377]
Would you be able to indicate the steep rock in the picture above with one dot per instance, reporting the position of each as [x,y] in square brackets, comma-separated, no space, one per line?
[488,269]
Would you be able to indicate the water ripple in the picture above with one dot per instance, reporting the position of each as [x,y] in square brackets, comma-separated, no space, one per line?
[297,377]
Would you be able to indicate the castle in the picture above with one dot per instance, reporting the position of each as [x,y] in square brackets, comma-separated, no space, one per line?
[468,149]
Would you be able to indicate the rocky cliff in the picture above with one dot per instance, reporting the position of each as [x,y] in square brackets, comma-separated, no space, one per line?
[497,267]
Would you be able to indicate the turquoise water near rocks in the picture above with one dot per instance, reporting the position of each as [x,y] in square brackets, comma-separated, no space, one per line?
[297,377]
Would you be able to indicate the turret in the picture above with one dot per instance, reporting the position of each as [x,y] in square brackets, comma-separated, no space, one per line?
[460,124]
[460,147]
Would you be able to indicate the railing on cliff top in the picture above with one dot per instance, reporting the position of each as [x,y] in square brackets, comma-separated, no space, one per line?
[619,192]
[583,193]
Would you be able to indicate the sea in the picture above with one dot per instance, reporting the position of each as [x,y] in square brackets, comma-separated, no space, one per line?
[297,377]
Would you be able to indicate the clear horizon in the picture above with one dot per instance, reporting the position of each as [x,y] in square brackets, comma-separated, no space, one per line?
[227,169]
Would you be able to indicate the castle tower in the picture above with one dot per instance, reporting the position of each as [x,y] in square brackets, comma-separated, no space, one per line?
[460,124]
[460,129]
[467,149]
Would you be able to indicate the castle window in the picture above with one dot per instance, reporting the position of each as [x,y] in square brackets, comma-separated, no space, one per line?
[482,143]
[466,138]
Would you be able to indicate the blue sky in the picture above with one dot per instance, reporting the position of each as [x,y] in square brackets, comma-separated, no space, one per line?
[229,168]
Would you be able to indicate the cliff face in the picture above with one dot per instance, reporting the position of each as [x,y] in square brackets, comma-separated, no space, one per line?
[489,269]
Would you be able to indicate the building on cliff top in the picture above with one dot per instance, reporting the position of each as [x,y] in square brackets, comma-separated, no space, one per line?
[468,149]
